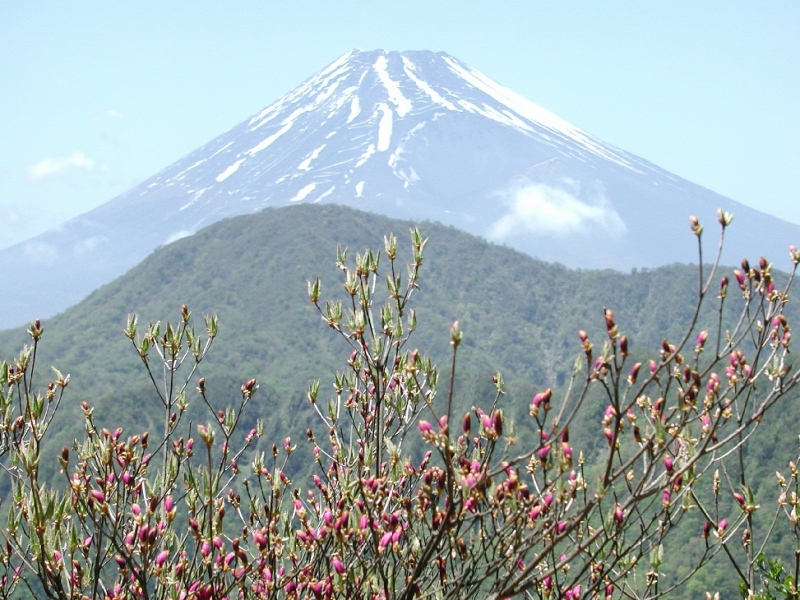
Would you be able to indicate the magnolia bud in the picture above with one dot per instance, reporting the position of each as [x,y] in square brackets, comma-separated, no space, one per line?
[466,424]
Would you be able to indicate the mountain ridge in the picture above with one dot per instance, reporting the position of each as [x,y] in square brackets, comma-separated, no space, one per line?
[415,135]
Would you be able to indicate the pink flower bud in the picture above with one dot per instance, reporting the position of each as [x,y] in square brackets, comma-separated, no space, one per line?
[609,433]
[701,339]
[535,512]
[162,557]
[385,539]
[497,422]
[668,463]
[543,452]
[739,277]
[634,373]
[338,565]
[619,515]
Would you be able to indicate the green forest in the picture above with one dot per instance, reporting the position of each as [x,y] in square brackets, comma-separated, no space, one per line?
[520,319]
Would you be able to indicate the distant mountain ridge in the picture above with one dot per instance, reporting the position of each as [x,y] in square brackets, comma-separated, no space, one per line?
[414,135]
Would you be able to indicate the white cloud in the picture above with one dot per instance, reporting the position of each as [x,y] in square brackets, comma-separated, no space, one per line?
[89,244]
[177,236]
[546,209]
[113,114]
[57,166]
[40,254]
[26,220]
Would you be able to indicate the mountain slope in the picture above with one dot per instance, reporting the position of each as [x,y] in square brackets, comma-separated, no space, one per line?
[412,135]
[519,315]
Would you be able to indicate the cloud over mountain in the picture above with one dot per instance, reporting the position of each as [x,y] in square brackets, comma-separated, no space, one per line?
[414,135]
[56,166]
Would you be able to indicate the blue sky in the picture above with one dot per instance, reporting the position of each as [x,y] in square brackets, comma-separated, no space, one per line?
[98,96]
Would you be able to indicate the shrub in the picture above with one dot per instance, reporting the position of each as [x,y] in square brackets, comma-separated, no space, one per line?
[412,496]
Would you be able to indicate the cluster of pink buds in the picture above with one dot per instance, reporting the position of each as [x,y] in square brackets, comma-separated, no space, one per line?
[600,368]
[492,424]
[738,369]
[541,401]
[426,429]
[541,507]
[781,333]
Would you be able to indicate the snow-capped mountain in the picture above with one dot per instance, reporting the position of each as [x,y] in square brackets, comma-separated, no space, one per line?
[415,135]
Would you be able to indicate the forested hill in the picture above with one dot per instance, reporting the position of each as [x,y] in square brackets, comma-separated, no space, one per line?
[520,316]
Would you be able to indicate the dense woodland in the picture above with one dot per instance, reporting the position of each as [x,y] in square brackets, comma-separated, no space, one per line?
[520,317]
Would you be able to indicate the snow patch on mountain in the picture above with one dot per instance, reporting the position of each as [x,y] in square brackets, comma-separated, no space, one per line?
[384,128]
[325,194]
[267,142]
[229,171]
[398,152]
[304,191]
[409,67]
[355,109]
[306,164]
[402,103]
[366,155]
[183,173]
[533,112]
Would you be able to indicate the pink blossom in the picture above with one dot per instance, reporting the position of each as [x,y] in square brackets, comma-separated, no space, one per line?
[162,557]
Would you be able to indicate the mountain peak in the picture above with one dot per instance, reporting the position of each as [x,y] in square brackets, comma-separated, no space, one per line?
[414,135]
[357,117]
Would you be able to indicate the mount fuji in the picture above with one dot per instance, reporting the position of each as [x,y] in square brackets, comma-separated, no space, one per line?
[415,135]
